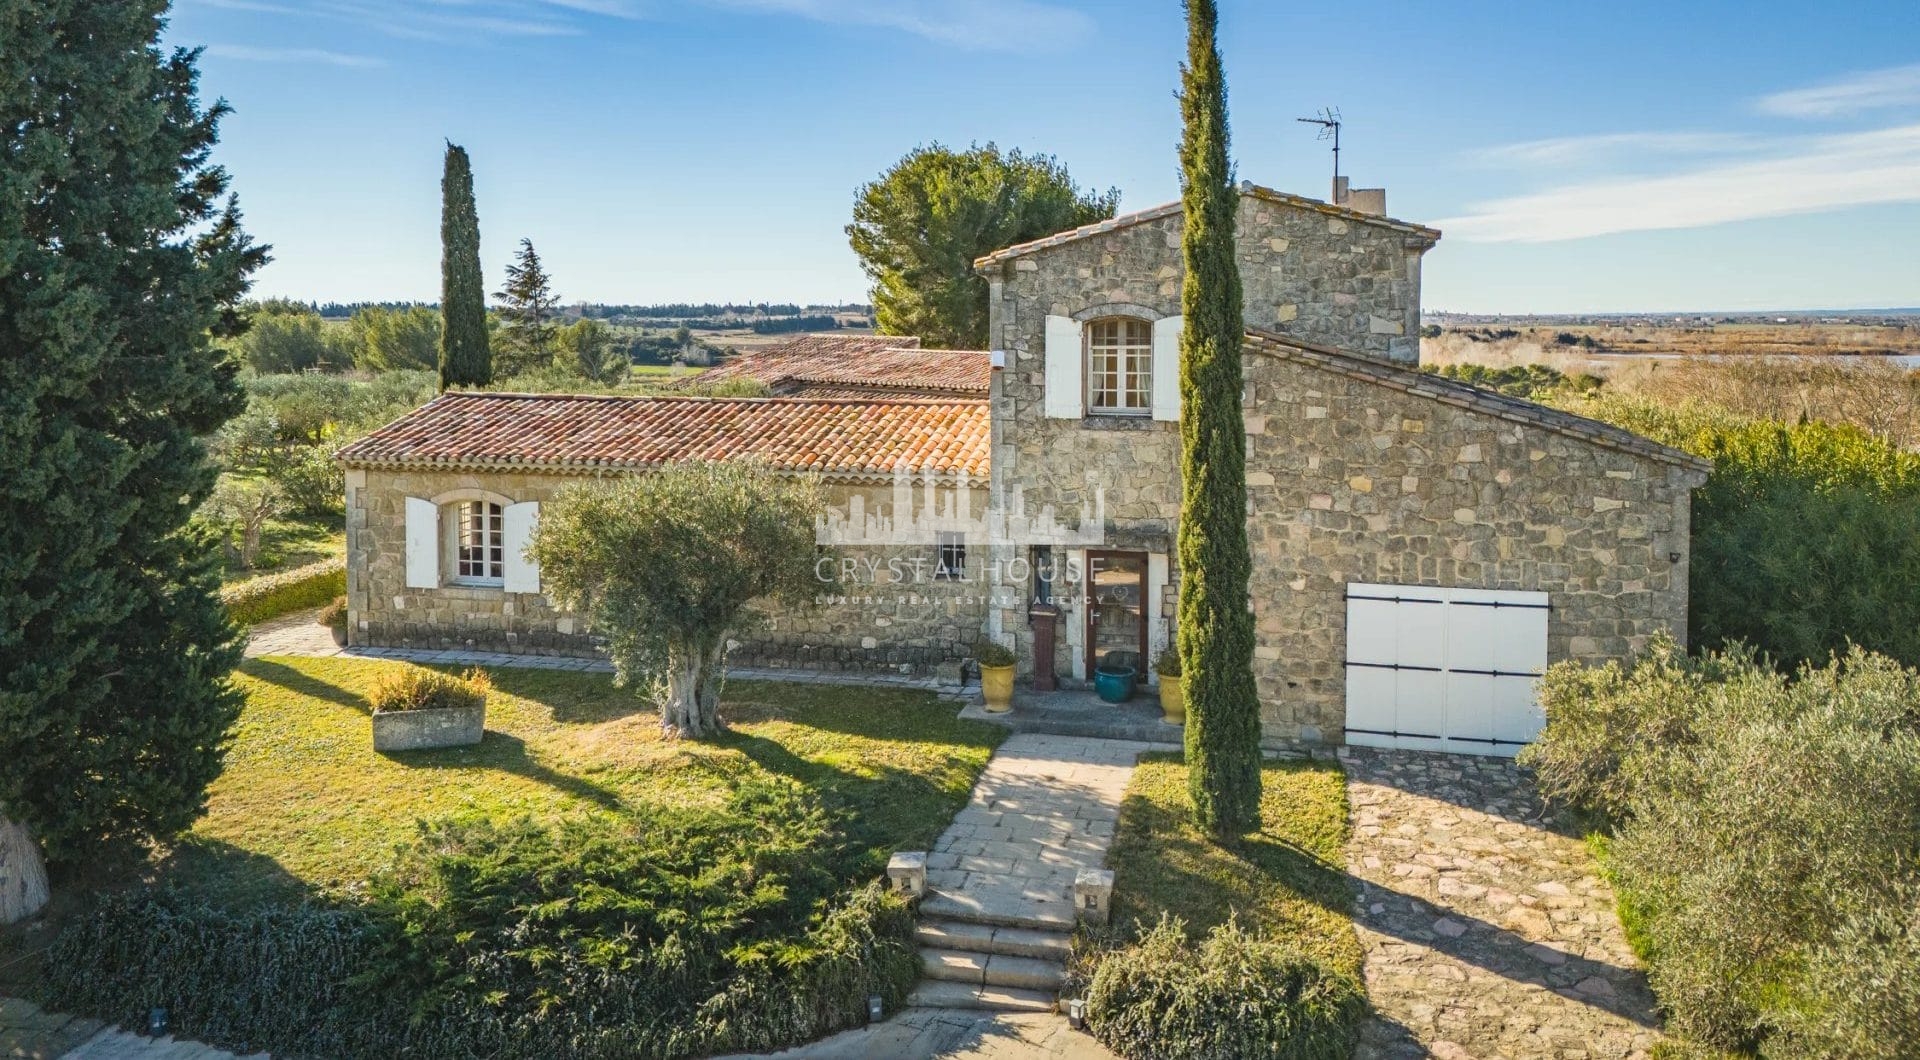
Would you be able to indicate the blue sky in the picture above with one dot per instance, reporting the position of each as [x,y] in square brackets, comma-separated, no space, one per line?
[1617,156]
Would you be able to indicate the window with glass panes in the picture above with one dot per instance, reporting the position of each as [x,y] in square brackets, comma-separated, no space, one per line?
[481,546]
[1120,366]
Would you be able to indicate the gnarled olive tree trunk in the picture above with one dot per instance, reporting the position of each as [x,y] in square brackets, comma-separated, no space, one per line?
[690,703]
[23,876]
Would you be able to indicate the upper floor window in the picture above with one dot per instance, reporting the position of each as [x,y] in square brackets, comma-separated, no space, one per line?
[480,542]
[953,557]
[1120,366]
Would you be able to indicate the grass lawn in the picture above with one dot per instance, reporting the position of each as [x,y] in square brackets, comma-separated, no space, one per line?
[292,542]
[306,804]
[1288,878]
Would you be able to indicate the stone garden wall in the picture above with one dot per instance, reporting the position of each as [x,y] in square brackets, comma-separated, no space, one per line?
[864,619]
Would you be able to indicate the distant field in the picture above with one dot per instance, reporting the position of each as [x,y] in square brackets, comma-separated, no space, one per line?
[1602,348]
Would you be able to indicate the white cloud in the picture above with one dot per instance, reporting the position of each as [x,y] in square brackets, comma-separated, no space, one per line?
[248,53]
[1897,86]
[1805,175]
[998,25]
[1569,150]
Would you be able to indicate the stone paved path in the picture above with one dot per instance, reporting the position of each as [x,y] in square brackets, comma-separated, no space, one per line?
[957,1034]
[1044,808]
[29,1032]
[301,634]
[1486,934]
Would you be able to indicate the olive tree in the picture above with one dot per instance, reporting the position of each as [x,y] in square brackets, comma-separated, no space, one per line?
[668,566]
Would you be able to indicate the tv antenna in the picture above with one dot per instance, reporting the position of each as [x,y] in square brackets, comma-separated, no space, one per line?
[1329,122]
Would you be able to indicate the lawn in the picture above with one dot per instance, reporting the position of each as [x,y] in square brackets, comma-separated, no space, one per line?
[294,541]
[1287,879]
[573,886]
[306,803]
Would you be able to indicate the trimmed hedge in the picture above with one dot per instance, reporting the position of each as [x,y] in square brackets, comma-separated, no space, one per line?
[272,595]
[1231,996]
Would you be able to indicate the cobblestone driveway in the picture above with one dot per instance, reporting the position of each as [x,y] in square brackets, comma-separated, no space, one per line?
[1486,934]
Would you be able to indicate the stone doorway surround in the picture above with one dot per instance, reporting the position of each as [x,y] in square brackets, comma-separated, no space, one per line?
[1486,933]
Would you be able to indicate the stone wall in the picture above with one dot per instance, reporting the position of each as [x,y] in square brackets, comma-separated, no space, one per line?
[915,624]
[1350,481]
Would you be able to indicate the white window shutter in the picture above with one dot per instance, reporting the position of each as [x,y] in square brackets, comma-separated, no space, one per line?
[522,573]
[1066,395]
[423,544]
[1166,368]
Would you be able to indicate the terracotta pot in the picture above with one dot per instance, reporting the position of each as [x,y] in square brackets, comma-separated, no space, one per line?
[996,686]
[1173,706]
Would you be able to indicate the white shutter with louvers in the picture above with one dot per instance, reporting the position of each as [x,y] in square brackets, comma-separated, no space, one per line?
[1166,368]
[522,573]
[1065,397]
[423,544]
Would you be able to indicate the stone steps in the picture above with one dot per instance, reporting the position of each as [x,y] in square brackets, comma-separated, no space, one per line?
[944,993]
[992,939]
[999,910]
[984,969]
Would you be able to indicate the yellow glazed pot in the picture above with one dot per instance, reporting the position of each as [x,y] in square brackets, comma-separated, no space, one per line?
[1173,708]
[996,687]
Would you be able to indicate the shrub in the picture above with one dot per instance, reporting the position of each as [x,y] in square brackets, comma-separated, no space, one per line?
[418,688]
[334,615]
[1168,665]
[312,482]
[988,653]
[687,933]
[1230,996]
[273,595]
[1766,835]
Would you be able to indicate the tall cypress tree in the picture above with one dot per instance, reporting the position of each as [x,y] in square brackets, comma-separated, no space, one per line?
[1215,635]
[465,359]
[121,257]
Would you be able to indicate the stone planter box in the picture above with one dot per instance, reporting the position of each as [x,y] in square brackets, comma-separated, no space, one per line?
[419,730]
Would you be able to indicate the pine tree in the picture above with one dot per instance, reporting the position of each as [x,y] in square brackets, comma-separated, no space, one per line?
[1215,634]
[121,256]
[527,307]
[465,359]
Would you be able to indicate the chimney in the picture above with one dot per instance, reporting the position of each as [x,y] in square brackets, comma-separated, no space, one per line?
[1360,200]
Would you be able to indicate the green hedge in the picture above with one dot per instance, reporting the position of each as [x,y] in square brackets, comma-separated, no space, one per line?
[687,933]
[1230,996]
[272,595]
[1765,831]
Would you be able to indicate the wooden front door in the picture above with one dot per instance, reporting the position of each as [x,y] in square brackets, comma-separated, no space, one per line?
[1116,607]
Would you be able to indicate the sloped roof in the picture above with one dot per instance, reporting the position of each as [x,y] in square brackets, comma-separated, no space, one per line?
[1419,233]
[893,367]
[1467,396]
[833,342]
[572,433]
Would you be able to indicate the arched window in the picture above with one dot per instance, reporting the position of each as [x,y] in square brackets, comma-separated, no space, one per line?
[1120,366]
[479,542]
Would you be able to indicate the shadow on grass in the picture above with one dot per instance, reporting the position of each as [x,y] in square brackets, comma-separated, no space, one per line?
[508,754]
[291,679]
[575,697]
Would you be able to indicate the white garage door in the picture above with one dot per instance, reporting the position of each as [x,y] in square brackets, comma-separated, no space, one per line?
[1433,669]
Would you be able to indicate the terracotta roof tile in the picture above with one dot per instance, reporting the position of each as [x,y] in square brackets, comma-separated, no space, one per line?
[568,433]
[907,369]
[1467,396]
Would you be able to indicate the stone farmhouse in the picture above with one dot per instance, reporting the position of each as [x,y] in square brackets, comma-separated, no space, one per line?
[1422,548]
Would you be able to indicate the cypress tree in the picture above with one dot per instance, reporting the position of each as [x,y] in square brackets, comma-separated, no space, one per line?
[121,258]
[465,359]
[1215,634]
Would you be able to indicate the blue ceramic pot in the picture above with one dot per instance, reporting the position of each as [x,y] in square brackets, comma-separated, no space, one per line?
[1114,685]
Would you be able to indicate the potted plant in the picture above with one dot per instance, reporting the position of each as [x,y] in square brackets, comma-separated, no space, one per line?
[996,675]
[1173,708]
[415,708]
[334,617]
